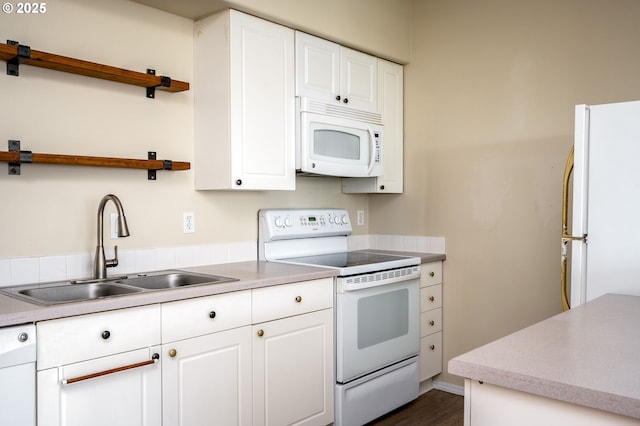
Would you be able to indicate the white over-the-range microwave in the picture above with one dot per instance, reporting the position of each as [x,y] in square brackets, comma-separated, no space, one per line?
[335,140]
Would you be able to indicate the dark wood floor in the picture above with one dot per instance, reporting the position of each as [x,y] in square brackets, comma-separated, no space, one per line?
[433,408]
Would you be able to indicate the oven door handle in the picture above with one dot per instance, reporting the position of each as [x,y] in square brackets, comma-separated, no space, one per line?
[349,284]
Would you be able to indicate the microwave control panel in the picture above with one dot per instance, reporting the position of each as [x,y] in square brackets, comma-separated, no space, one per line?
[303,223]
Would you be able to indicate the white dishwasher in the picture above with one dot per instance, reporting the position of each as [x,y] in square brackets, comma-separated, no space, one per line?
[18,375]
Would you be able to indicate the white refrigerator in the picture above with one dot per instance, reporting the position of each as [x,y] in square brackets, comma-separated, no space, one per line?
[604,231]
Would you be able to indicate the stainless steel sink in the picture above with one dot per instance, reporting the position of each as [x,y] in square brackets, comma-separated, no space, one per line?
[71,293]
[173,279]
[76,291]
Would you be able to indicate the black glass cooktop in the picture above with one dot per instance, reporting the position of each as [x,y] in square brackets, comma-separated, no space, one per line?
[348,259]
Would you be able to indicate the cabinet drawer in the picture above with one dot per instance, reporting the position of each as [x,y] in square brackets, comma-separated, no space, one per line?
[430,297]
[431,273]
[286,300]
[195,317]
[430,322]
[68,340]
[430,356]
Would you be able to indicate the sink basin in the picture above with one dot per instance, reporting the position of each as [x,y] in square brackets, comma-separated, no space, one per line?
[172,280]
[74,293]
[80,290]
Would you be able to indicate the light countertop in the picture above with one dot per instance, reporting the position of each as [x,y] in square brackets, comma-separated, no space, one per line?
[250,274]
[589,356]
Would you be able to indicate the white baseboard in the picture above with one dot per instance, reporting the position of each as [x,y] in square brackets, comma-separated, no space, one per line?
[425,386]
[448,387]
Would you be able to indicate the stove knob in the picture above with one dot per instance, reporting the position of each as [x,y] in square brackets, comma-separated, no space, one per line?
[278,222]
[345,219]
[287,222]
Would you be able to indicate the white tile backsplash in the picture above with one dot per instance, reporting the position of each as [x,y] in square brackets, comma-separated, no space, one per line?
[25,270]
[5,272]
[53,268]
[16,271]
[166,258]
[79,266]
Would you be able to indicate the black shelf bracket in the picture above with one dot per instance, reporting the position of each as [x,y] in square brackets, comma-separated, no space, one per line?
[25,157]
[13,64]
[164,82]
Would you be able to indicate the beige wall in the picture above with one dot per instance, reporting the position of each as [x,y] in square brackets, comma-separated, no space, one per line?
[51,210]
[489,99]
[380,27]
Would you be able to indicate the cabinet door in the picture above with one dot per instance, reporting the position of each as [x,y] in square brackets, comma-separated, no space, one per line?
[244,103]
[430,355]
[317,68]
[208,377]
[390,104]
[262,103]
[130,397]
[293,370]
[359,80]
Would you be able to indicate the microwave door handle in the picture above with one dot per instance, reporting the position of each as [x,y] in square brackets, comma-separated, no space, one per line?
[372,146]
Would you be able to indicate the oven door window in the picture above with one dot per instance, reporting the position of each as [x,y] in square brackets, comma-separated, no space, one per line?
[375,327]
[378,319]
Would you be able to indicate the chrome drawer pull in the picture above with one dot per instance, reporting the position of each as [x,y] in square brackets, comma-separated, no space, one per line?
[153,360]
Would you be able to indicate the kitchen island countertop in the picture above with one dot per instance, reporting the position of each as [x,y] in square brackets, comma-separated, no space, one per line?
[589,356]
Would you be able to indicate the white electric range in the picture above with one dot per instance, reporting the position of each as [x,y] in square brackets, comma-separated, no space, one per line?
[377,308]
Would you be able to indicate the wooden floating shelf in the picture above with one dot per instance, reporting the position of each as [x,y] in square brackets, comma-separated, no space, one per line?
[10,52]
[16,157]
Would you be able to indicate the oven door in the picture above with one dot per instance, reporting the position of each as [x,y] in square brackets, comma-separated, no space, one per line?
[376,327]
[338,146]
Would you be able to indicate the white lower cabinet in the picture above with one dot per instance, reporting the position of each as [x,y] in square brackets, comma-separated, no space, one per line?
[490,405]
[206,356]
[252,357]
[430,320]
[293,356]
[100,369]
[292,370]
[208,377]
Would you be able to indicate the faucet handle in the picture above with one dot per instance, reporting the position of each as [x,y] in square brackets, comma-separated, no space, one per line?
[110,263]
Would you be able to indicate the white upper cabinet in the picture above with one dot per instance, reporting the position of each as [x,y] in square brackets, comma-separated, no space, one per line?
[244,89]
[335,74]
[390,104]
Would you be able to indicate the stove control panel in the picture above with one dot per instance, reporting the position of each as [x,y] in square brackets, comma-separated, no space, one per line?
[302,223]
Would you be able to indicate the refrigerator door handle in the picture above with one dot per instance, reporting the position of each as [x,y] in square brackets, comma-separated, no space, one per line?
[566,238]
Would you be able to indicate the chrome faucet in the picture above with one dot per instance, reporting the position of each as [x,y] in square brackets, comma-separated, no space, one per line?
[101,262]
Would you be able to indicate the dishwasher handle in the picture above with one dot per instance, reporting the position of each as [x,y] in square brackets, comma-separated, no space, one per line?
[154,358]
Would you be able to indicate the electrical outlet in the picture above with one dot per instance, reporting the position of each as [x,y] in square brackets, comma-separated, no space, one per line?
[360,217]
[188,222]
[114,225]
